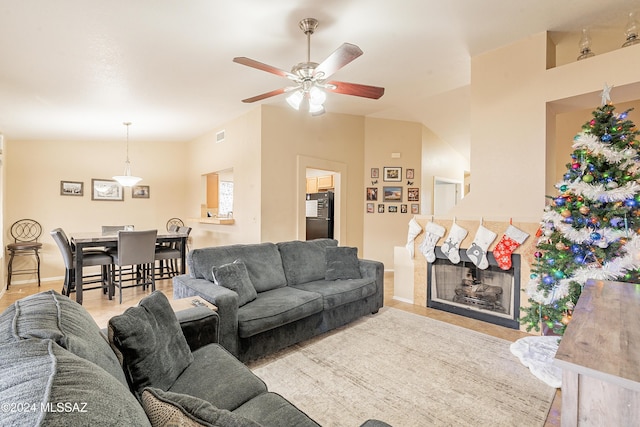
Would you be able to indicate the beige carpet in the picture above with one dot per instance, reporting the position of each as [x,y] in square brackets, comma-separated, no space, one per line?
[407,370]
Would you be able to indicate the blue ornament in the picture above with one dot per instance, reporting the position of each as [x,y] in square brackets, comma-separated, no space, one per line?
[560,201]
[595,236]
[548,280]
[606,137]
[576,249]
[615,221]
[558,274]
[551,261]
[579,259]
[568,220]
[631,203]
[623,115]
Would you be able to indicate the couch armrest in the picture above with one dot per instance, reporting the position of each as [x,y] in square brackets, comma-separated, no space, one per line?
[225,299]
[374,270]
[200,326]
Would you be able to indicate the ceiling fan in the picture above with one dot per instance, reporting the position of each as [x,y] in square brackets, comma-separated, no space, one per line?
[311,79]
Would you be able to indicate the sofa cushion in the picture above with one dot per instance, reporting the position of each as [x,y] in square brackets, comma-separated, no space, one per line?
[167,409]
[262,261]
[227,384]
[274,410]
[234,276]
[342,263]
[46,385]
[276,308]
[339,292]
[304,261]
[49,315]
[153,347]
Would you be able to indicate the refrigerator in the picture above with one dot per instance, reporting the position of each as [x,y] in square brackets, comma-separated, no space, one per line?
[319,212]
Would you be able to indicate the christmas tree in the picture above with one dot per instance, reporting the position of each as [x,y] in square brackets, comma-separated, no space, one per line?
[590,230]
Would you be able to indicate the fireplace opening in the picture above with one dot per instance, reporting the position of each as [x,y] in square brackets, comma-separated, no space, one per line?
[491,295]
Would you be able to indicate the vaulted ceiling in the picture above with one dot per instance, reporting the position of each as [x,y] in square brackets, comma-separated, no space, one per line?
[77,69]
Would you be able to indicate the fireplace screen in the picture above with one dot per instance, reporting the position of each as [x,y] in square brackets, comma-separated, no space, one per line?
[490,295]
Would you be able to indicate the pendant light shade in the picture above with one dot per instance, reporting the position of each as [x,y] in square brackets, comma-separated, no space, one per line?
[126,179]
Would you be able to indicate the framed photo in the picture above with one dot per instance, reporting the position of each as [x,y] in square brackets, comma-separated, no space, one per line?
[415,208]
[403,208]
[372,193]
[391,194]
[106,189]
[410,173]
[413,194]
[370,208]
[375,172]
[392,174]
[71,188]
[140,192]
[380,207]
[393,209]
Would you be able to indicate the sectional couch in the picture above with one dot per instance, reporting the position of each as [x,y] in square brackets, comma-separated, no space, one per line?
[57,368]
[272,295]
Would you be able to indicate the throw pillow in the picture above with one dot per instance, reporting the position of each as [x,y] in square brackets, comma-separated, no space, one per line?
[342,263]
[165,409]
[149,338]
[234,276]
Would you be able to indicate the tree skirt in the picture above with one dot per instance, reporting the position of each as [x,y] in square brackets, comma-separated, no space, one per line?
[407,370]
[537,353]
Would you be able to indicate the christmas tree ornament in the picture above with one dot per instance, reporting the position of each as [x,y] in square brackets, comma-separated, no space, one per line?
[512,238]
[477,252]
[451,245]
[432,233]
[414,230]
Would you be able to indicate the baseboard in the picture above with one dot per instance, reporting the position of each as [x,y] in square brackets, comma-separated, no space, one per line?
[409,301]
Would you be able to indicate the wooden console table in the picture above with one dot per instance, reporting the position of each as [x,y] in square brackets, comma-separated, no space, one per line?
[600,357]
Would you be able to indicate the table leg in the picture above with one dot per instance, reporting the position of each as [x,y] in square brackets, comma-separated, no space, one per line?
[183,253]
[78,273]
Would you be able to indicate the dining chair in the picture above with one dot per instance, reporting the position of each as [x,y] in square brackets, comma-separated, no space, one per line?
[91,257]
[174,222]
[135,249]
[25,234]
[168,255]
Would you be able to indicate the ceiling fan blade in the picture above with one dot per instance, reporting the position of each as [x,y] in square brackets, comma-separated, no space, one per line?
[338,59]
[266,95]
[264,67]
[373,92]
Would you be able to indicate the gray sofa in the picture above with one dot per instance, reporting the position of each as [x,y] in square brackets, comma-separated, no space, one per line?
[291,291]
[57,368]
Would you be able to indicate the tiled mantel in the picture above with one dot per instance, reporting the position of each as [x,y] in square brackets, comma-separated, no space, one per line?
[526,251]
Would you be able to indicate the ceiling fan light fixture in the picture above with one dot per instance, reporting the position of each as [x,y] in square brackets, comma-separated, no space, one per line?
[317,96]
[316,109]
[295,99]
[126,179]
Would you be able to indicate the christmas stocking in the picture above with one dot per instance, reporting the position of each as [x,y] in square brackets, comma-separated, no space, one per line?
[512,238]
[451,246]
[477,252]
[433,233]
[414,230]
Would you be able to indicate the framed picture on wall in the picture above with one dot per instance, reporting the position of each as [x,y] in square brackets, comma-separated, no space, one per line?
[391,194]
[393,209]
[71,188]
[392,174]
[106,189]
[415,208]
[410,173]
[375,172]
[413,194]
[372,193]
[370,208]
[140,192]
[380,207]
[403,208]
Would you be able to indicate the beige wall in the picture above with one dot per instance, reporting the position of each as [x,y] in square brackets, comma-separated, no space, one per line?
[514,98]
[34,171]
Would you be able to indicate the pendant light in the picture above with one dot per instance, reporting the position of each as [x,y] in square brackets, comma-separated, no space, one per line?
[126,179]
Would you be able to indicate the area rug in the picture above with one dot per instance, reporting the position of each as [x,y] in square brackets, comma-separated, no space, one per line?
[407,370]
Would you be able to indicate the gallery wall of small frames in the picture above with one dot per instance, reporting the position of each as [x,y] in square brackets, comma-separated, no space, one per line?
[392,195]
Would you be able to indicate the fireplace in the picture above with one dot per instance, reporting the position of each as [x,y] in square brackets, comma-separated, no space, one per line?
[491,295]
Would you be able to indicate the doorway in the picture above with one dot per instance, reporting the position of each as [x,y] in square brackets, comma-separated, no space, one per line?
[446,194]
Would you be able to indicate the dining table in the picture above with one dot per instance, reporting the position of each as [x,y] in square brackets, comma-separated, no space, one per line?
[90,239]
